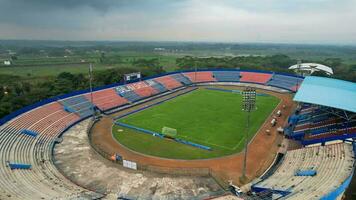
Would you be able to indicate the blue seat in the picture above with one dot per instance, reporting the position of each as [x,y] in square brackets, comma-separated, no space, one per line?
[78,104]
[227,76]
[286,82]
[181,78]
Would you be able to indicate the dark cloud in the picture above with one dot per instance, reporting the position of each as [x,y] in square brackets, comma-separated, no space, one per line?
[210,20]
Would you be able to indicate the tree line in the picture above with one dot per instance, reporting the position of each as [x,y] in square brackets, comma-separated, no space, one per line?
[17,92]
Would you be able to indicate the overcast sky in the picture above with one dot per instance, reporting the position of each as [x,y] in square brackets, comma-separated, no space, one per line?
[281,21]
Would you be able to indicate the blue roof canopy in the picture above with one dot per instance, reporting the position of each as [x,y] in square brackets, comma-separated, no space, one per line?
[328,92]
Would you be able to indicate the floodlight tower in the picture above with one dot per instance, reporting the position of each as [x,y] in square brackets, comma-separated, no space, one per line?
[248,105]
[91,89]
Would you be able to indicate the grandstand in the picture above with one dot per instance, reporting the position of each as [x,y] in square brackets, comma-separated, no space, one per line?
[43,181]
[28,136]
[331,165]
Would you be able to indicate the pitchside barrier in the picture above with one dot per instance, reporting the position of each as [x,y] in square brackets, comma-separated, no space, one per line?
[160,135]
[234,91]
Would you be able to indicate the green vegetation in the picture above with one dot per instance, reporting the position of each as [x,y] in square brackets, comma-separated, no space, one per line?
[207,117]
[42,69]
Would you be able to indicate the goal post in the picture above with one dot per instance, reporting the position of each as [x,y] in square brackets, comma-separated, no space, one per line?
[169,132]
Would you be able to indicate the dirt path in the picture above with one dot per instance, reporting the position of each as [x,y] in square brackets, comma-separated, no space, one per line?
[261,152]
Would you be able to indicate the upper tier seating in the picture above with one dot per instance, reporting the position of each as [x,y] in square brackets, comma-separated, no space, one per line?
[286,82]
[169,82]
[107,99]
[333,164]
[182,79]
[157,86]
[199,77]
[79,104]
[254,77]
[43,181]
[227,76]
[348,132]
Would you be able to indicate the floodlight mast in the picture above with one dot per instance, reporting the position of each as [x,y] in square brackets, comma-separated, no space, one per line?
[91,89]
[248,105]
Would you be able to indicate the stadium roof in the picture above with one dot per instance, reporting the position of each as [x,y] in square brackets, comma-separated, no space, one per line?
[328,92]
[312,67]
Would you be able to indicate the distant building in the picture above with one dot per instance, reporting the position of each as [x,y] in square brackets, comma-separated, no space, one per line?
[159,49]
[7,62]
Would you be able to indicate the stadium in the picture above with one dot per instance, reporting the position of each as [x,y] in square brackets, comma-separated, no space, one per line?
[295,138]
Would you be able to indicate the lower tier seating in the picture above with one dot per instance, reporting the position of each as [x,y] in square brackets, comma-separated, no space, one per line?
[333,165]
[43,180]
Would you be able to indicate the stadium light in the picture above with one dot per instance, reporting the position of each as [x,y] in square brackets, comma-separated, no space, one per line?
[91,89]
[248,105]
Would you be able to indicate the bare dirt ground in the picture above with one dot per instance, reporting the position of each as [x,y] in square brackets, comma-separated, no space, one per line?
[79,162]
[261,152]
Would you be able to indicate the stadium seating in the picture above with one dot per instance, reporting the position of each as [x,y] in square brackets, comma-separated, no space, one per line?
[200,77]
[43,181]
[286,82]
[26,141]
[332,163]
[227,76]
[157,86]
[169,82]
[254,77]
[128,94]
[79,104]
[107,99]
[142,89]
[181,78]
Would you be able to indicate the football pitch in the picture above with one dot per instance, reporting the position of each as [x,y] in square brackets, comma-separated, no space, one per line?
[207,117]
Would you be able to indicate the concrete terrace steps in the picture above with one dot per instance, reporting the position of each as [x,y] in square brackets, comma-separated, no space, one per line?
[43,181]
[331,162]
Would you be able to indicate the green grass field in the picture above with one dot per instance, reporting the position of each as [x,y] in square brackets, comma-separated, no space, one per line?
[207,117]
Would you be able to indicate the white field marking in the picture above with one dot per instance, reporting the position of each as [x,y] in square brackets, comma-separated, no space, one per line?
[206,142]
[239,142]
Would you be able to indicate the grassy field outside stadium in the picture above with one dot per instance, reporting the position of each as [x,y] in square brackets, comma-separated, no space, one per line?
[208,117]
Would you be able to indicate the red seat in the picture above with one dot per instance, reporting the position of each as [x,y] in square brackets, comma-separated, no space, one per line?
[254,77]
